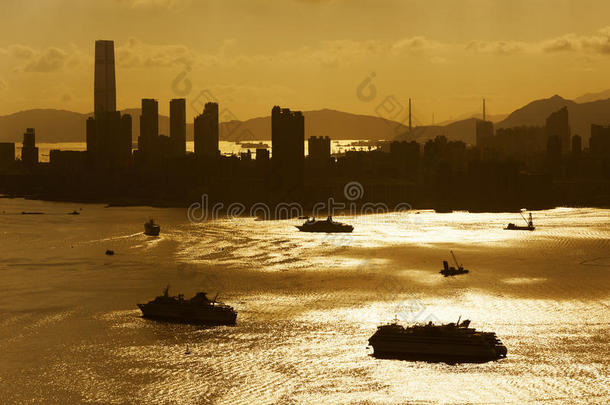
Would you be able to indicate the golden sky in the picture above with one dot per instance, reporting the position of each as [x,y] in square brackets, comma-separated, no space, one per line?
[306,54]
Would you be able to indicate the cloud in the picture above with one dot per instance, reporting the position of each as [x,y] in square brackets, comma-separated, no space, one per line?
[497,47]
[49,60]
[596,43]
[21,51]
[417,43]
[46,60]
[136,53]
[165,4]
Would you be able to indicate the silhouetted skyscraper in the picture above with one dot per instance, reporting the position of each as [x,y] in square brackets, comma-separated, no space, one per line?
[125,141]
[29,152]
[557,124]
[287,148]
[177,125]
[484,138]
[206,131]
[149,128]
[105,85]
[7,154]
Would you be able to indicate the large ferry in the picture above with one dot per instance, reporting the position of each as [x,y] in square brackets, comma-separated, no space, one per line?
[328,226]
[197,310]
[451,343]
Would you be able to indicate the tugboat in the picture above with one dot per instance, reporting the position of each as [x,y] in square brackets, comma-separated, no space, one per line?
[449,343]
[452,271]
[197,310]
[151,229]
[530,225]
[328,226]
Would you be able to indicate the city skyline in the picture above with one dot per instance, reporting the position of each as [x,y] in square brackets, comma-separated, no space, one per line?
[445,66]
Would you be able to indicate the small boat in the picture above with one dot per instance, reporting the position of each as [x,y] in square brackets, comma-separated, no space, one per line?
[109,252]
[151,229]
[187,351]
[74,213]
[530,225]
[328,226]
[31,213]
[448,271]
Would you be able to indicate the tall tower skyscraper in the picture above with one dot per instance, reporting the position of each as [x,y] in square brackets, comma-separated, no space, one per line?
[108,134]
[105,84]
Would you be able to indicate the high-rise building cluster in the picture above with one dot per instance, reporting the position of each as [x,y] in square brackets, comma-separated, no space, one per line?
[505,166]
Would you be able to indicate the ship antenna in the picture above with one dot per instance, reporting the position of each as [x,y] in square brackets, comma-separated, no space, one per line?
[409,116]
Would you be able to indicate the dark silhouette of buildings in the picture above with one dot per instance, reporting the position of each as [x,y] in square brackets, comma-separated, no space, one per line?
[319,148]
[205,130]
[576,145]
[513,168]
[177,126]
[262,154]
[557,124]
[29,151]
[7,155]
[599,143]
[287,149]
[405,158]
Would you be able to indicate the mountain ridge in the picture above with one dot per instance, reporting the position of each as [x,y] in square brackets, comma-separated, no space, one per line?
[58,125]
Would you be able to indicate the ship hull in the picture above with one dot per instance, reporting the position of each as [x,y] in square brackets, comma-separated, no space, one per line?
[343,229]
[152,231]
[437,352]
[519,228]
[189,314]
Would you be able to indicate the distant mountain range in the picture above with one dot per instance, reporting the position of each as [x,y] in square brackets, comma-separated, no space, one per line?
[66,126]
